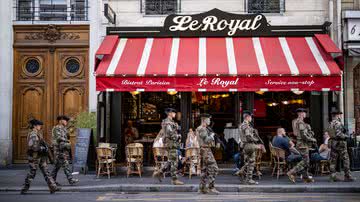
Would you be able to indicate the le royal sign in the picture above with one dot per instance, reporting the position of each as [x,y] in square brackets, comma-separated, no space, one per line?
[217,23]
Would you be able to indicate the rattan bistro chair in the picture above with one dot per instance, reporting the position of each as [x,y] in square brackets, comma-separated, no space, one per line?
[160,157]
[105,161]
[134,158]
[192,155]
[279,160]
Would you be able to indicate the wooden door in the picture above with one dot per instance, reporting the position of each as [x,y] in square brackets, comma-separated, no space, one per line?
[47,83]
[31,96]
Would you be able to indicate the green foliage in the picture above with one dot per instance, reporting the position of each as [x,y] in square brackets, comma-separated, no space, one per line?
[86,120]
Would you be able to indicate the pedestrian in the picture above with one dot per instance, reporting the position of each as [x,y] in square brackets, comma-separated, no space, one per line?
[62,147]
[337,133]
[305,139]
[172,142]
[209,168]
[37,156]
[251,141]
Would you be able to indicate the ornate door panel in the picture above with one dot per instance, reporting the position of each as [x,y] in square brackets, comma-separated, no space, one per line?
[30,95]
[72,94]
[357,97]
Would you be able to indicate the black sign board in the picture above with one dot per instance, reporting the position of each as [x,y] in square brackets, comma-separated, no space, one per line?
[217,23]
[82,150]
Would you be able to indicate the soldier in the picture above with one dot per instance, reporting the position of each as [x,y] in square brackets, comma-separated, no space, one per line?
[37,156]
[172,142]
[62,147]
[250,142]
[305,139]
[209,168]
[338,147]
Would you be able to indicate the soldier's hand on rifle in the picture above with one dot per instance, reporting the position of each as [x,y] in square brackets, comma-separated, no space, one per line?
[43,149]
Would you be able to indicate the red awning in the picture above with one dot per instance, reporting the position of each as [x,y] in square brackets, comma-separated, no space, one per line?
[326,42]
[216,64]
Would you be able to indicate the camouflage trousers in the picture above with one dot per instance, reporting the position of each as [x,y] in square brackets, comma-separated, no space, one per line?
[61,161]
[34,164]
[209,168]
[335,156]
[172,163]
[303,166]
[249,160]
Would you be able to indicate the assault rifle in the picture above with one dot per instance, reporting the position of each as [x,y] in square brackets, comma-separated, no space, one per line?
[216,137]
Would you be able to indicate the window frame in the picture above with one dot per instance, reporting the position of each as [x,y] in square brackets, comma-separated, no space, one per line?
[143,9]
[282,8]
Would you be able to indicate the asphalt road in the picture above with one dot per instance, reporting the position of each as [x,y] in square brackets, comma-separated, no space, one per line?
[180,197]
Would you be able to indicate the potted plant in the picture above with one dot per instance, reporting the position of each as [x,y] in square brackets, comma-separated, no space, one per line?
[85,123]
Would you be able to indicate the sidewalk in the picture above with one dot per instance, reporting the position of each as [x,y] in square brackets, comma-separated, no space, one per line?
[11,179]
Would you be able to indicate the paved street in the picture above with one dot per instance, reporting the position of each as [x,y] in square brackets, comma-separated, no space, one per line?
[243,197]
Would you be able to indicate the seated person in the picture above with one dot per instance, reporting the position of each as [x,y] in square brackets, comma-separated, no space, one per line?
[238,163]
[283,142]
[131,133]
[323,152]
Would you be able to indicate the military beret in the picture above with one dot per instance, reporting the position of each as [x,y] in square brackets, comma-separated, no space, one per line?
[168,110]
[246,112]
[63,117]
[36,122]
[300,110]
[336,111]
[204,115]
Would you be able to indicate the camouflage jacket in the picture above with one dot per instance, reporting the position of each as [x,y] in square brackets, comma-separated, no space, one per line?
[305,137]
[170,129]
[339,130]
[205,140]
[247,133]
[34,144]
[60,140]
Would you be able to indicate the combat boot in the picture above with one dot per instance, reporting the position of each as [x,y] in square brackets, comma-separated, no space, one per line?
[157,174]
[291,176]
[349,178]
[308,180]
[73,181]
[213,191]
[203,189]
[251,182]
[24,189]
[177,182]
[58,184]
[334,178]
[54,189]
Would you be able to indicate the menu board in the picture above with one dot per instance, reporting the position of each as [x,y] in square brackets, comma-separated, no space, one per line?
[81,150]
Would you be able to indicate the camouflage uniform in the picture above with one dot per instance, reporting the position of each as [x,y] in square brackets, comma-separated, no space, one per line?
[62,147]
[338,148]
[37,158]
[250,146]
[172,138]
[305,139]
[209,168]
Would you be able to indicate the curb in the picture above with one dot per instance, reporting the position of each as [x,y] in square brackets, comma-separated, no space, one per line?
[194,188]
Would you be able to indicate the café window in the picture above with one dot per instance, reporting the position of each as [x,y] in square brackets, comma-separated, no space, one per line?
[266,6]
[160,7]
[51,10]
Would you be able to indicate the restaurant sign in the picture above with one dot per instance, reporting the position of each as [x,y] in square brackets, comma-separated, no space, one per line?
[211,83]
[216,23]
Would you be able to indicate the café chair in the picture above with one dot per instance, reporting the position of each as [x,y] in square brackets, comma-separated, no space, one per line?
[160,157]
[323,167]
[192,156]
[134,158]
[279,160]
[105,161]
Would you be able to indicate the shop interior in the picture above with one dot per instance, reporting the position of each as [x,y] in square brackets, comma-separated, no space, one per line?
[146,110]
